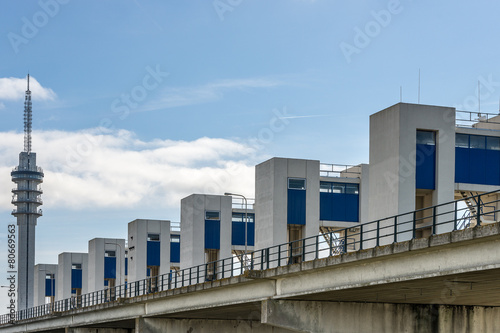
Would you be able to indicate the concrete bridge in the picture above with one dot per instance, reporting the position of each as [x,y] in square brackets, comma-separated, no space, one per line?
[444,283]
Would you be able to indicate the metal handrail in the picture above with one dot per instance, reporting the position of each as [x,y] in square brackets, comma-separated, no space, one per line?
[239,203]
[470,119]
[25,188]
[367,235]
[339,170]
[31,169]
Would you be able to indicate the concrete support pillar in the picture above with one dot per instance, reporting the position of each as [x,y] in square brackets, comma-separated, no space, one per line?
[154,325]
[310,316]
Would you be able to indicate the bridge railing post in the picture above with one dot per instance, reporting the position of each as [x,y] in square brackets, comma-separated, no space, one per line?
[345,241]
[455,219]
[395,229]
[434,219]
[361,237]
[478,209]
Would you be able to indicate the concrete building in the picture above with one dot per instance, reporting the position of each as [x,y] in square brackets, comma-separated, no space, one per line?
[27,198]
[148,249]
[297,199]
[72,270]
[45,284]
[205,230]
[420,156]
[106,263]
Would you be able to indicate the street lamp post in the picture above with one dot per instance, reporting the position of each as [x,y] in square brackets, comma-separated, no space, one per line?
[246,225]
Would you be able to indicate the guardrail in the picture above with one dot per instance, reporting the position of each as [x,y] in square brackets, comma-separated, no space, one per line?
[436,219]
[471,119]
[339,170]
[239,203]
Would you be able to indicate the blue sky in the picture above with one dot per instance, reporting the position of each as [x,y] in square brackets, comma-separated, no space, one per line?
[140,103]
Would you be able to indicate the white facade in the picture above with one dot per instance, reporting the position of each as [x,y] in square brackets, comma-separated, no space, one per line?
[194,210]
[67,262]
[99,249]
[138,233]
[271,186]
[42,273]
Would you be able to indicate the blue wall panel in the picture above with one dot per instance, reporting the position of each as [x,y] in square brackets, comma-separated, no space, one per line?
[492,167]
[153,253]
[462,168]
[175,252]
[238,233]
[126,266]
[50,287]
[212,234]
[477,160]
[477,165]
[339,207]
[251,234]
[110,267]
[426,167]
[76,278]
[351,207]
[296,207]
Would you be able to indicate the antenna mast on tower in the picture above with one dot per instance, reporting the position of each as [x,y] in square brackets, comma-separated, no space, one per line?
[27,119]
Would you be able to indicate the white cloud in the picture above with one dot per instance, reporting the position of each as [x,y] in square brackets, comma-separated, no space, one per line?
[12,88]
[174,97]
[98,168]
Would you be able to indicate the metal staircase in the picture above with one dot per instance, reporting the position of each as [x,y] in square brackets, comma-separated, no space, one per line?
[332,238]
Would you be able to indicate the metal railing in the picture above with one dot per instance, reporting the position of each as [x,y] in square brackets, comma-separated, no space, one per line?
[175,226]
[339,170]
[17,199]
[27,211]
[239,203]
[433,220]
[472,119]
[30,169]
[26,188]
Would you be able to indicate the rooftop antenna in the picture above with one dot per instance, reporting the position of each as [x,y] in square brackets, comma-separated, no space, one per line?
[27,119]
[400,94]
[479,97]
[419,86]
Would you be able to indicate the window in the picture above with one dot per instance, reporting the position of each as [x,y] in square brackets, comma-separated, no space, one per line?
[462,140]
[426,137]
[212,215]
[338,188]
[110,253]
[351,189]
[175,238]
[296,183]
[153,237]
[76,266]
[325,187]
[492,143]
[240,217]
[477,141]
[49,276]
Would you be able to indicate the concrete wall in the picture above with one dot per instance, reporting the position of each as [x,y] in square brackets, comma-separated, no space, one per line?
[153,325]
[97,248]
[63,282]
[338,317]
[41,270]
[271,192]
[137,247]
[193,210]
[393,158]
